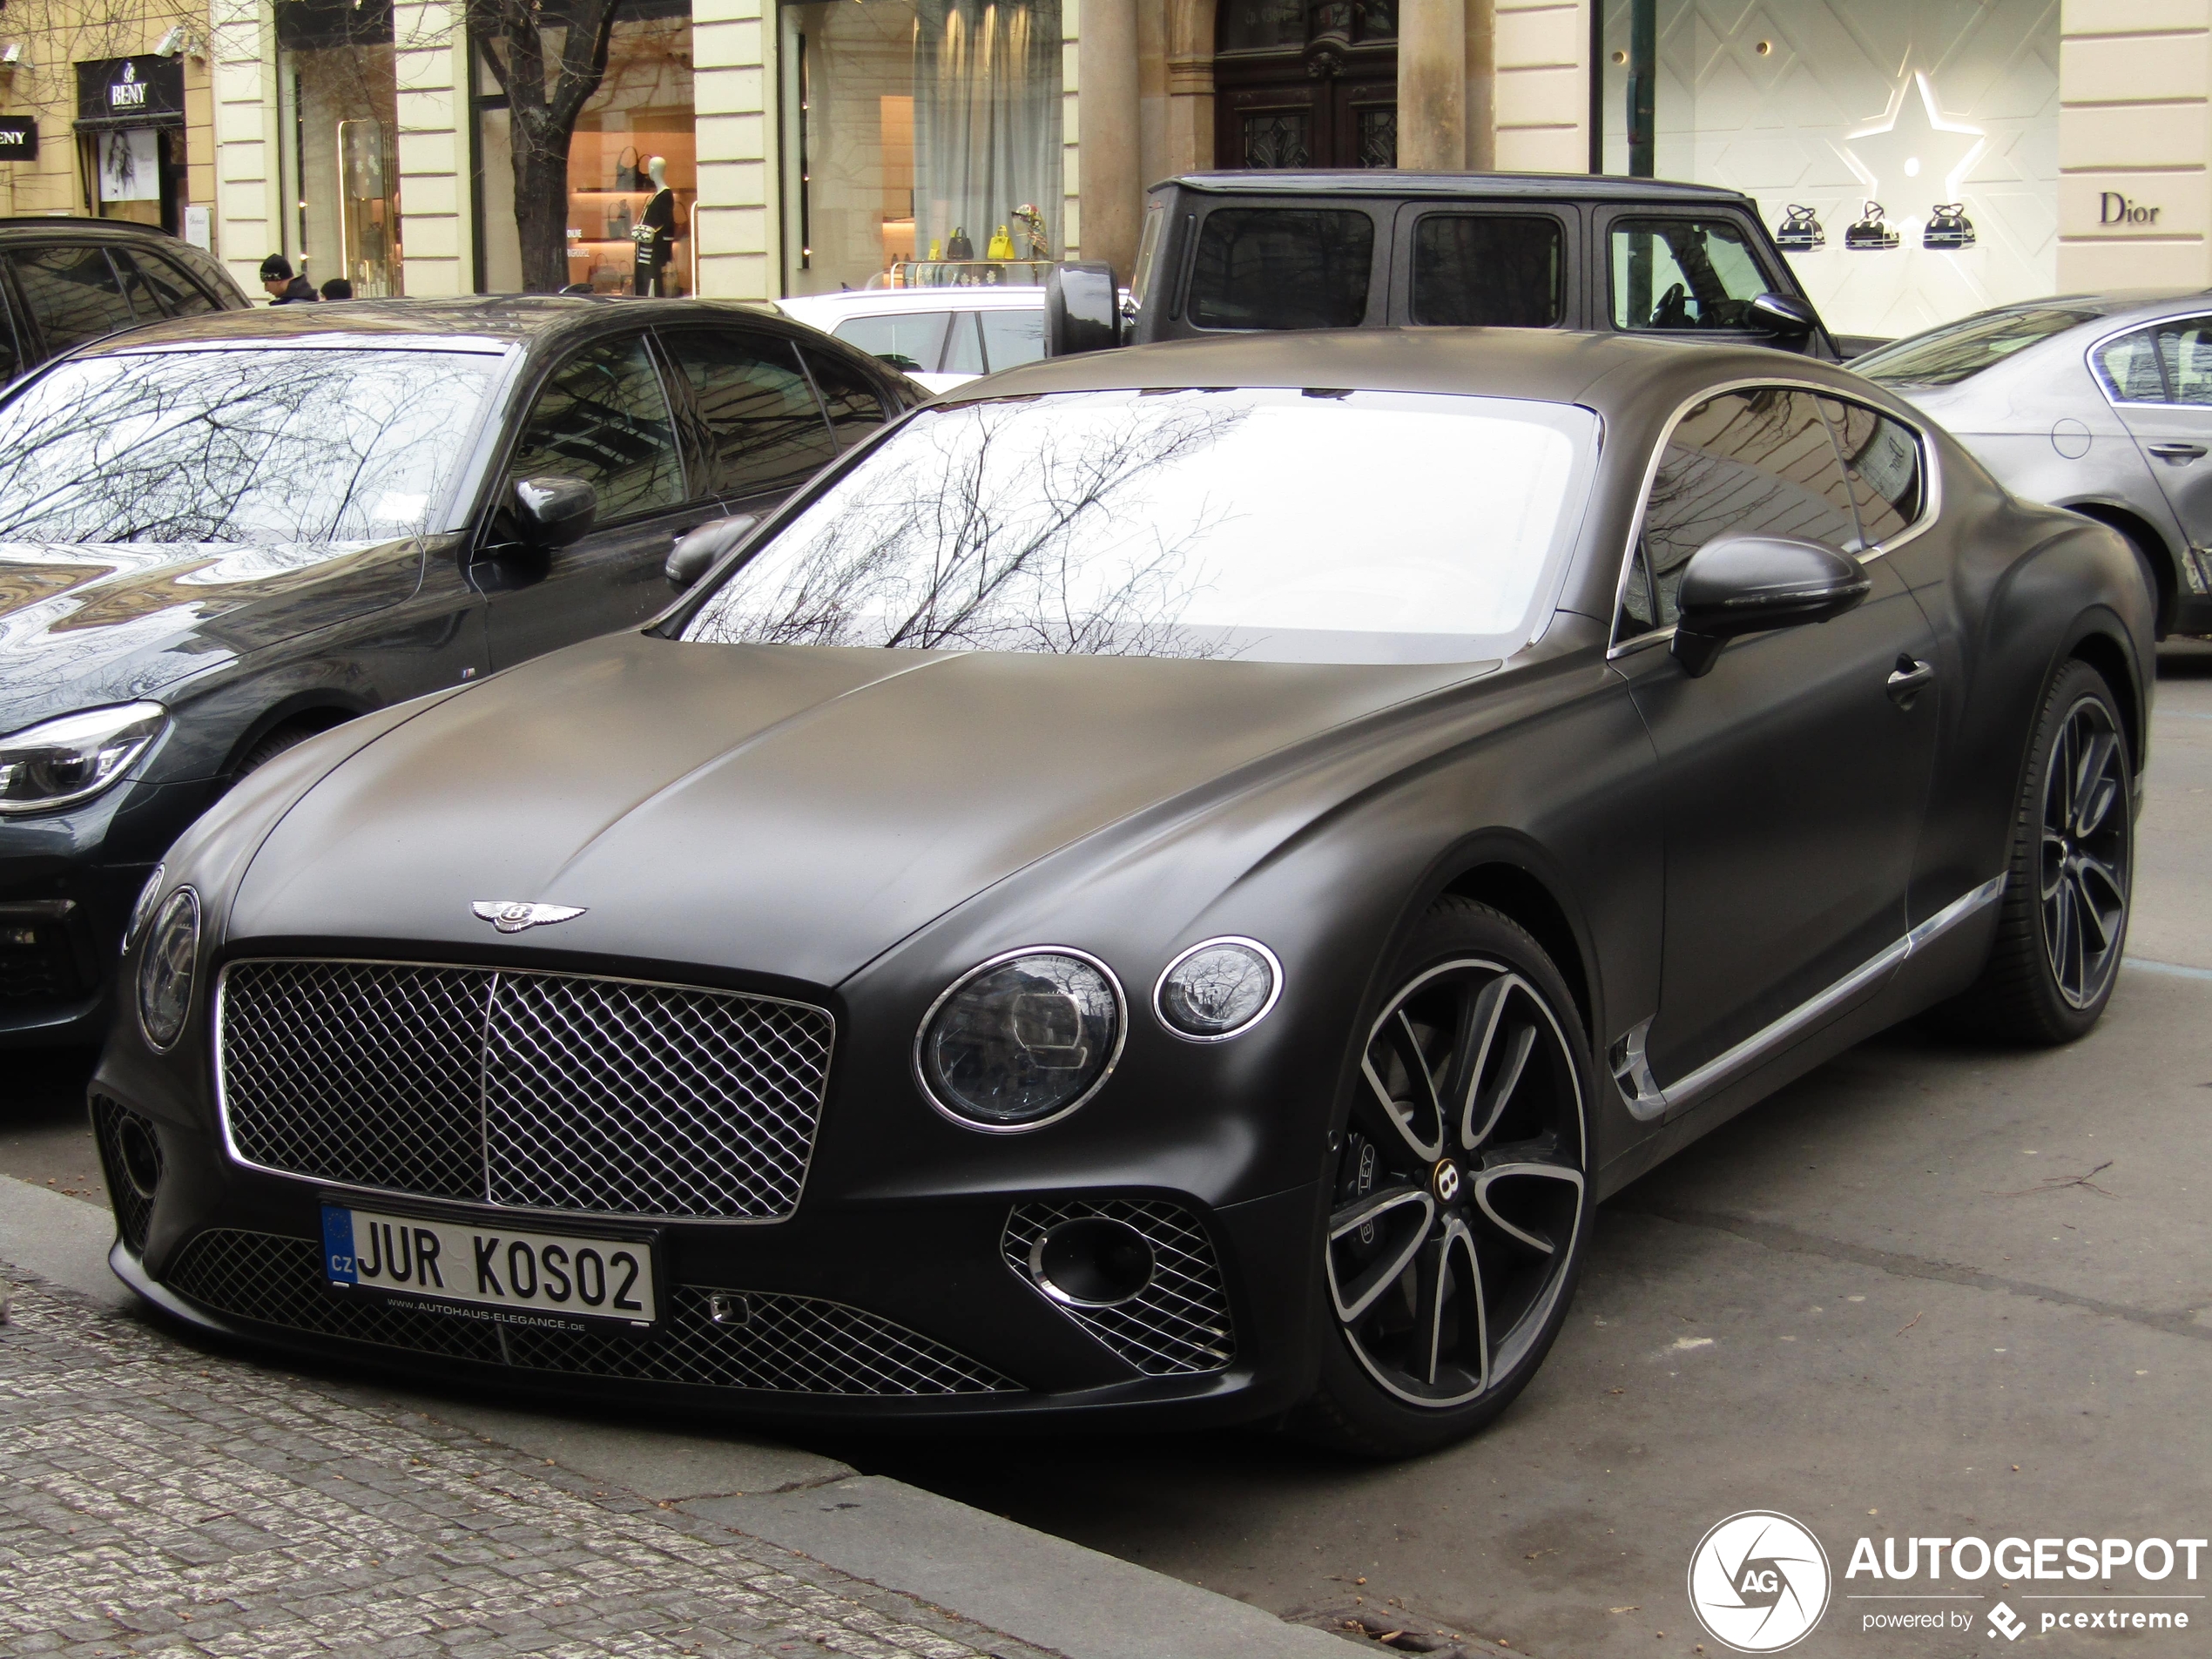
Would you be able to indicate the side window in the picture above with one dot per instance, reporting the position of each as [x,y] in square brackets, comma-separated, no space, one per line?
[1739,463]
[855,408]
[1883,457]
[1012,338]
[2129,368]
[764,422]
[912,344]
[1282,268]
[178,296]
[603,418]
[964,350]
[1489,270]
[2185,352]
[1683,273]
[72,294]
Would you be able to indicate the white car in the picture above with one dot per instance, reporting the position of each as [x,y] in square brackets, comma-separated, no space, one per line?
[938,336]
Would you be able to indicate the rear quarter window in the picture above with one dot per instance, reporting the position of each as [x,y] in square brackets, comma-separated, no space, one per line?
[1282,268]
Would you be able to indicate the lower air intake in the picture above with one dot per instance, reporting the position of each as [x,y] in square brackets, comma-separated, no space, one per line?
[1179,1325]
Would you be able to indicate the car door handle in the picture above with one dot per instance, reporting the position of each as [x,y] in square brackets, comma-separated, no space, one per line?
[1908,680]
[2178,451]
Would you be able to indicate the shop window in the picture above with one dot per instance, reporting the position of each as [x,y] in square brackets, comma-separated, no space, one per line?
[131,139]
[633,163]
[337,141]
[921,142]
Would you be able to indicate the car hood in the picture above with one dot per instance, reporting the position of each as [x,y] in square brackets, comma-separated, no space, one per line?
[783,810]
[109,623]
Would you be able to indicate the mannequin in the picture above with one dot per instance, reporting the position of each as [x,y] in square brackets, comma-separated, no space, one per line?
[655,233]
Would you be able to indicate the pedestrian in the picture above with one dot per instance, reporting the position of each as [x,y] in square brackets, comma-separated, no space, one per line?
[284,289]
[338,288]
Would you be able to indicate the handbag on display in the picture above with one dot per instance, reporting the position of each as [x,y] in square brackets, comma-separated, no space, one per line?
[1800,232]
[1949,229]
[630,170]
[1002,246]
[957,247]
[1871,233]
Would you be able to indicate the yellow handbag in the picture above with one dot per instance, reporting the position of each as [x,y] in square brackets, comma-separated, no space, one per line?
[1001,244]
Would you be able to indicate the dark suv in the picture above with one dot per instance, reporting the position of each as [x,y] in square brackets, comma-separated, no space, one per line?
[1230,251]
[63,281]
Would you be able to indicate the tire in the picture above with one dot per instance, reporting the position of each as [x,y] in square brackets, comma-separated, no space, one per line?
[1404,1252]
[269,745]
[2069,885]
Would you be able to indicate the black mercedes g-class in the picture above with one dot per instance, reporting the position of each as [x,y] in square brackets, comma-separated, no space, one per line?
[1226,251]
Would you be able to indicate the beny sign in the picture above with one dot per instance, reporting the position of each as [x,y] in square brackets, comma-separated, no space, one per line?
[18,138]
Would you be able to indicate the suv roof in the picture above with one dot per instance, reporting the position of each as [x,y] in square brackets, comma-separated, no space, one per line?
[1387,182]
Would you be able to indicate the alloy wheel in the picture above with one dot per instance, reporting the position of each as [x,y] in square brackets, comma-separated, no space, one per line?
[1458,1206]
[2085,853]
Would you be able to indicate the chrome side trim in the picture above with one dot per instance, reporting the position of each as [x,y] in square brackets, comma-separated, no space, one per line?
[1724,1068]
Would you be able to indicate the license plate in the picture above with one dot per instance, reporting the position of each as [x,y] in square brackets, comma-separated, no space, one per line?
[484,1270]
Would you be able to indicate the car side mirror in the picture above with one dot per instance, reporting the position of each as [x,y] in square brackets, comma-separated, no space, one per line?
[1082,308]
[552,512]
[1783,317]
[696,551]
[1747,585]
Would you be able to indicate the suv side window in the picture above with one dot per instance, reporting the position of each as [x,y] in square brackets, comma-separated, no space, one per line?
[1883,458]
[766,425]
[1282,268]
[1489,270]
[1739,463]
[72,293]
[1011,337]
[1678,273]
[602,417]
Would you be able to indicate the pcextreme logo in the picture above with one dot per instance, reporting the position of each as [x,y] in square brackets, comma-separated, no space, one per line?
[1759,1581]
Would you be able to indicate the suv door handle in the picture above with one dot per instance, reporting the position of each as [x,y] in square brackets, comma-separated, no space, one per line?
[1910,678]
[2178,451]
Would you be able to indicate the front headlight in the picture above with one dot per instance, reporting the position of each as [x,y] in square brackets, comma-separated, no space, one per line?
[1021,1040]
[1218,990]
[167,969]
[58,763]
[142,912]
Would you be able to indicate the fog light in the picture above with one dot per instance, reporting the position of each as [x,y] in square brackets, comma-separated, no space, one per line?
[1092,1262]
[141,1156]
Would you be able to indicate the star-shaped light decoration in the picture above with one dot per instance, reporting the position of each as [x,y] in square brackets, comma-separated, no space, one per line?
[1911,154]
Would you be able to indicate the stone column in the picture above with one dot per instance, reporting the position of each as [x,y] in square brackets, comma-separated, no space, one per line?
[734,233]
[1431,85]
[437,222]
[1482,85]
[242,59]
[1111,189]
[1191,36]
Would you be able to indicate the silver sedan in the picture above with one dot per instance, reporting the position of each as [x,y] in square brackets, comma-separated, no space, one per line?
[2098,402]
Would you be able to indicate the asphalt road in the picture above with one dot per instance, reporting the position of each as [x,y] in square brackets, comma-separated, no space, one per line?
[1930,1290]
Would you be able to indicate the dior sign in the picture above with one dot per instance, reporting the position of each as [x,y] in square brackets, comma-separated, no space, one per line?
[2113,208]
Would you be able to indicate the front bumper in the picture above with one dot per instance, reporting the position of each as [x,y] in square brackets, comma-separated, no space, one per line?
[896,1312]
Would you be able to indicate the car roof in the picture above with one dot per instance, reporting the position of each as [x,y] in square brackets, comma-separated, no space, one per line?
[481,322]
[1366,181]
[1542,365]
[855,302]
[15,227]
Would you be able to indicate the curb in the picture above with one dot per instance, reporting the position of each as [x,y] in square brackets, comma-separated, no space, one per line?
[1027,1584]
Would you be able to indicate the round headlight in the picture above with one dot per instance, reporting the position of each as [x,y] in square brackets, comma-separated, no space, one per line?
[166,970]
[1218,989]
[1021,1040]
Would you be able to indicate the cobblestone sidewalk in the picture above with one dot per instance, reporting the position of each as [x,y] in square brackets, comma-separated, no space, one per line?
[159,1500]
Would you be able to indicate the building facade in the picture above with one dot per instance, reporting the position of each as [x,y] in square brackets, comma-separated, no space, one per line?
[1926,156]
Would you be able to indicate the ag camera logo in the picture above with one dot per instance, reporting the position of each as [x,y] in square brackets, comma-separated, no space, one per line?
[1759,1581]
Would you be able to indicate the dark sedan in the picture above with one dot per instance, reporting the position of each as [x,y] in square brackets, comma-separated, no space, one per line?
[1164,890]
[220,536]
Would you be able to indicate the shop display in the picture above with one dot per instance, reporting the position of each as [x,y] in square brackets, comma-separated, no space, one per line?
[1949,229]
[1800,232]
[1871,232]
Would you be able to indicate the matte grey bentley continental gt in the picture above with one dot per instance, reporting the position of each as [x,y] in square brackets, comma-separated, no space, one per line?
[1165,889]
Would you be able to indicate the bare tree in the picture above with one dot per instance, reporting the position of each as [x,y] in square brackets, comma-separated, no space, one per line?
[549,58]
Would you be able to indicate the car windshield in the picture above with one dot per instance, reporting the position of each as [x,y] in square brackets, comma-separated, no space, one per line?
[1945,356]
[247,446]
[1269,526]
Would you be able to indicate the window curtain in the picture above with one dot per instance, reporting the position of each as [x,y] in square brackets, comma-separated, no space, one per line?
[987,121]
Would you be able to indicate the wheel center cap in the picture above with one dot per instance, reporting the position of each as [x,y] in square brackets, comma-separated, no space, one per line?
[1445,1178]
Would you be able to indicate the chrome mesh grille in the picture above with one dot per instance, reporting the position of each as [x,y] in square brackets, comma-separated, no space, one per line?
[133,1213]
[540,1090]
[1177,1326]
[772,1343]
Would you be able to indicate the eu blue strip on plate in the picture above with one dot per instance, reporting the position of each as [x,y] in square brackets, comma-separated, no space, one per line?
[338,1245]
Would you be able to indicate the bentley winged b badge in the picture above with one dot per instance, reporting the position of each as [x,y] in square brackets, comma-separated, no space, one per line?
[511,915]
